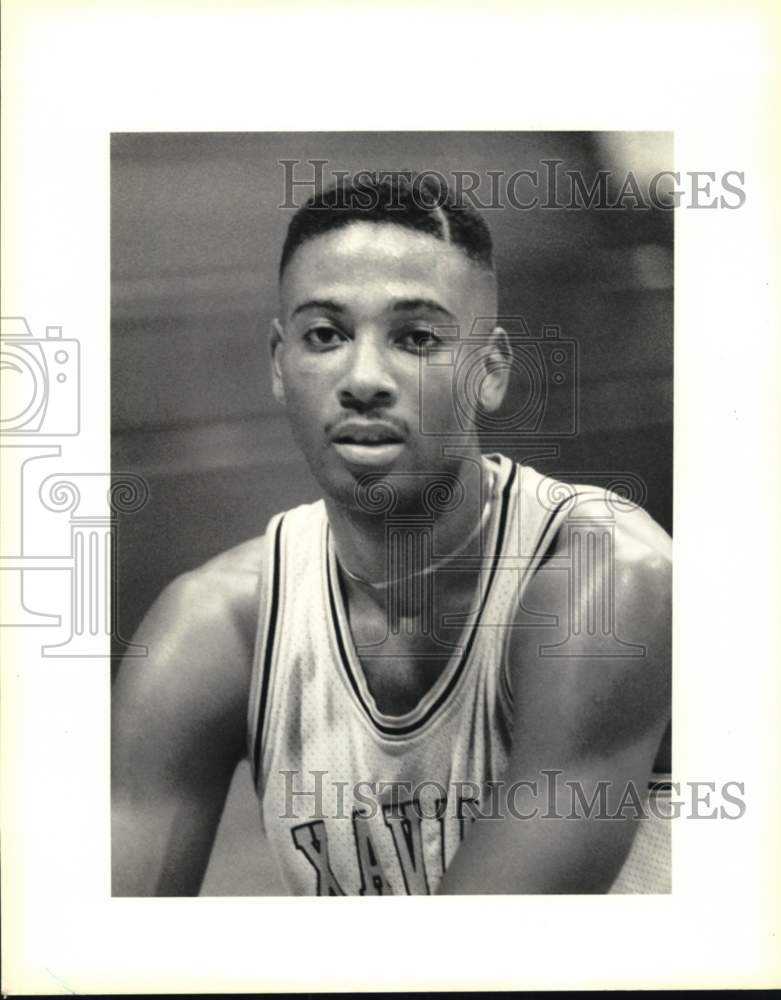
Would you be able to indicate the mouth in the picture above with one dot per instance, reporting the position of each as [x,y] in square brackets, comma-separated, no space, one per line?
[375,443]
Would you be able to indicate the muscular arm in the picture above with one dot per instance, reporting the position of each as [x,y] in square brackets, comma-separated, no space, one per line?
[178,728]
[590,716]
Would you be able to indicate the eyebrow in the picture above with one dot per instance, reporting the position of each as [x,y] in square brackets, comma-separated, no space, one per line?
[408,305]
[318,304]
[400,305]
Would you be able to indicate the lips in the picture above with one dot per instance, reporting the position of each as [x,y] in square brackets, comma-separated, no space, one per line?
[369,433]
[368,443]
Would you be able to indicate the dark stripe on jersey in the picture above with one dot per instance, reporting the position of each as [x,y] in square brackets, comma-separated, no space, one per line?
[404,730]
[268,652]
[340,640]
[551,518]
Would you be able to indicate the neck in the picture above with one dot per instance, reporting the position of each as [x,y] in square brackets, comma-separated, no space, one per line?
[381,553]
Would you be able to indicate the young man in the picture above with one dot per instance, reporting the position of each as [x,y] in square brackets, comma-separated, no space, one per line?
[456,671]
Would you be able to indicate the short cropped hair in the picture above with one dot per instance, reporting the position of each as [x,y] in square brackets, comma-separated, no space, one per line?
[419,203]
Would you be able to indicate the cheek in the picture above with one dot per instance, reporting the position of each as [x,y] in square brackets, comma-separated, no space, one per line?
[437,406]
[308,376]
[303,383]
[302,411]
[308,407]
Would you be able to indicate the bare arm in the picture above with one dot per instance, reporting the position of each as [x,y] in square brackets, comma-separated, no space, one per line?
[178,730]
[590,718]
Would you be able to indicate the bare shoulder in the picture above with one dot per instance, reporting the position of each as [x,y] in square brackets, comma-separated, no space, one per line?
[199,636]
[223,593]
[603,670]
[640,549]
[625,543]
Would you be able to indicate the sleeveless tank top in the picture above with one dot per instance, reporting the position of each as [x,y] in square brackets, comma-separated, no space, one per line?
[354,801]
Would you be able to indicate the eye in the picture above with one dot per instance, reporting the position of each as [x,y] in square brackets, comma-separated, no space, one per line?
[420,338]
[323,338]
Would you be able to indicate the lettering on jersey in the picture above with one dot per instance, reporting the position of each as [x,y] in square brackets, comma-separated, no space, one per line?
[467,812]
[405,822]
[403,819]
[373,880]
[312,840]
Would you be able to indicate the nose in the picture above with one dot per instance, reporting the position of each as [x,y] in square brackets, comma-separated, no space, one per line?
[368,382]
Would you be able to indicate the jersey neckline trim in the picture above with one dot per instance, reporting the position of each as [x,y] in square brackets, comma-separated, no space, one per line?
[440,692]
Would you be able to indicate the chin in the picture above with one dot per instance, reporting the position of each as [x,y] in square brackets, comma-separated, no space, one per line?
[337,482]
[409,486]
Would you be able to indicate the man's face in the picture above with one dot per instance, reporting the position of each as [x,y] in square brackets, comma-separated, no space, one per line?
[365,310]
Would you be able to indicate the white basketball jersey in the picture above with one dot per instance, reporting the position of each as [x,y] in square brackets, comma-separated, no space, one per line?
[354,801]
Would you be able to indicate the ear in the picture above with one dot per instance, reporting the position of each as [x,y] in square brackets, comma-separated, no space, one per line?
[276,342]
[497,359]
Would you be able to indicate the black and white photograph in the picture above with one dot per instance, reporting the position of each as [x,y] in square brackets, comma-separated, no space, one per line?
[403,405]
[388,427]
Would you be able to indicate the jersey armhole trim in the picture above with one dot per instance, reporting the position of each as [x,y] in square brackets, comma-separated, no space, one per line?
[547,538]
[264,654]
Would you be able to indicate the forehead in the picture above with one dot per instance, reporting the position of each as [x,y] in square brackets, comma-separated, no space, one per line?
[367,265]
